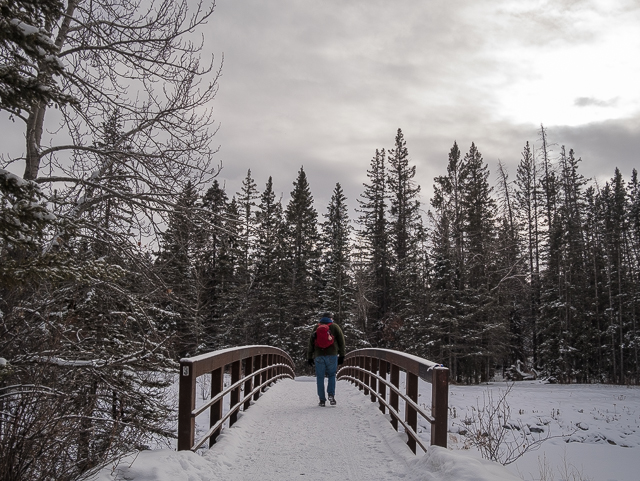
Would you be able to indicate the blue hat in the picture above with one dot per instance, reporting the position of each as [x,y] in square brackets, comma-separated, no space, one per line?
[326,318]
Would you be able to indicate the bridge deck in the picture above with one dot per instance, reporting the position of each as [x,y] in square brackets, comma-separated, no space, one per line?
[285,435]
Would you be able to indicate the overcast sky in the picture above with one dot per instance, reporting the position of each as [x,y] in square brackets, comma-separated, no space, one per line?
[322,84]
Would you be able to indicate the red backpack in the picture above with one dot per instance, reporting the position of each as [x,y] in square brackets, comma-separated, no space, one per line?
[324,339]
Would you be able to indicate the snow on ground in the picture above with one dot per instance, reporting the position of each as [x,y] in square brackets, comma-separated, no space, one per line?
[594,430]
[286,436]
[594,435]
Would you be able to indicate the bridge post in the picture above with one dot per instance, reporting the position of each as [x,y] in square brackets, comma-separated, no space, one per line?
[235,394]
[393,396]
[410,414]
[382,388]
[440,406]
[186,404]
[215,411]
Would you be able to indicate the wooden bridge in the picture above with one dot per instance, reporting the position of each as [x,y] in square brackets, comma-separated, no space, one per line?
[377,373]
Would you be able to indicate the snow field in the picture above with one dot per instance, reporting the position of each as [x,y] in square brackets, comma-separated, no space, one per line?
[594,429]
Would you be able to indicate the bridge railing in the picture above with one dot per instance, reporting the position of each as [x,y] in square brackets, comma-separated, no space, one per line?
[377,373]
[252,369]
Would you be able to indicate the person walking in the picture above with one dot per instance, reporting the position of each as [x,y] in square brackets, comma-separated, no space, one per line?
[326,350]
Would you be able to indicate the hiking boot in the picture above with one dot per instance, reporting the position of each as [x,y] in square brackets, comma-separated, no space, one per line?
[321,404]
[332,400]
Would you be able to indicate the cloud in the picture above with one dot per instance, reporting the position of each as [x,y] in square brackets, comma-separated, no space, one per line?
[591,101]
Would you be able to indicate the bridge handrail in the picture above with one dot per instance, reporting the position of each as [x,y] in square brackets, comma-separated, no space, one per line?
[254,366]
[368,369]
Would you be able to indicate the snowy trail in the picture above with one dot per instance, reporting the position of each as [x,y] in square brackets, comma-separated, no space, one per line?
[285,435]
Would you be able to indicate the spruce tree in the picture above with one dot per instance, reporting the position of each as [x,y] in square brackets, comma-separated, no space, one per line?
[337,293]
[304,282]
[176,265]
[404,226]
[272,271]
[374,249]
[528,215]
[447,248]
[480,326]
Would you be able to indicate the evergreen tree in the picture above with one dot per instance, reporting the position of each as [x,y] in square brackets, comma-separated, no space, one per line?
[633,260]
[176,267]
[304,282]
[447,248]
[480,326]
[272,271]
[374,248]
[528,215]
[215,264]
[404,227]
[337,295]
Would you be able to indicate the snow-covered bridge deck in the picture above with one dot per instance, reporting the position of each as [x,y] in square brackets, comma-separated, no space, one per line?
[285,436]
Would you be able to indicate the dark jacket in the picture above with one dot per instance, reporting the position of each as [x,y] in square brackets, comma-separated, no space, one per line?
[335,349]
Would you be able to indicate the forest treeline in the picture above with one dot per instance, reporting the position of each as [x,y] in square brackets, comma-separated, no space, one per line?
[540,271]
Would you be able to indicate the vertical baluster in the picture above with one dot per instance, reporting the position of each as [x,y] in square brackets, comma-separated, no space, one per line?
[248,384]
[366,377]
[235,393]
[256,379]
[373,382]
[215,411]
[265,373]
[393,396]
[410,414]
[382,387]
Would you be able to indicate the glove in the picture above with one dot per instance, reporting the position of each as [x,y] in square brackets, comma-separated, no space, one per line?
[311,362]
[340,359]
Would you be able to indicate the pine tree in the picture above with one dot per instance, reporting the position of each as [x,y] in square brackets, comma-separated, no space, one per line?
[447,248]
[272,271]
[481,328]
[633,260]
[303,245]
[337,295]
[176,267]
[511,272]
[245,272]
[374,249]
[528,214]
[404,226]
[214,261]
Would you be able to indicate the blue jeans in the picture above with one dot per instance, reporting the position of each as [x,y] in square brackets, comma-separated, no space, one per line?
[326,365]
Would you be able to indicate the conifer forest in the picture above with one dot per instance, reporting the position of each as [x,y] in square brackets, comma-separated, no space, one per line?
[121,251]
